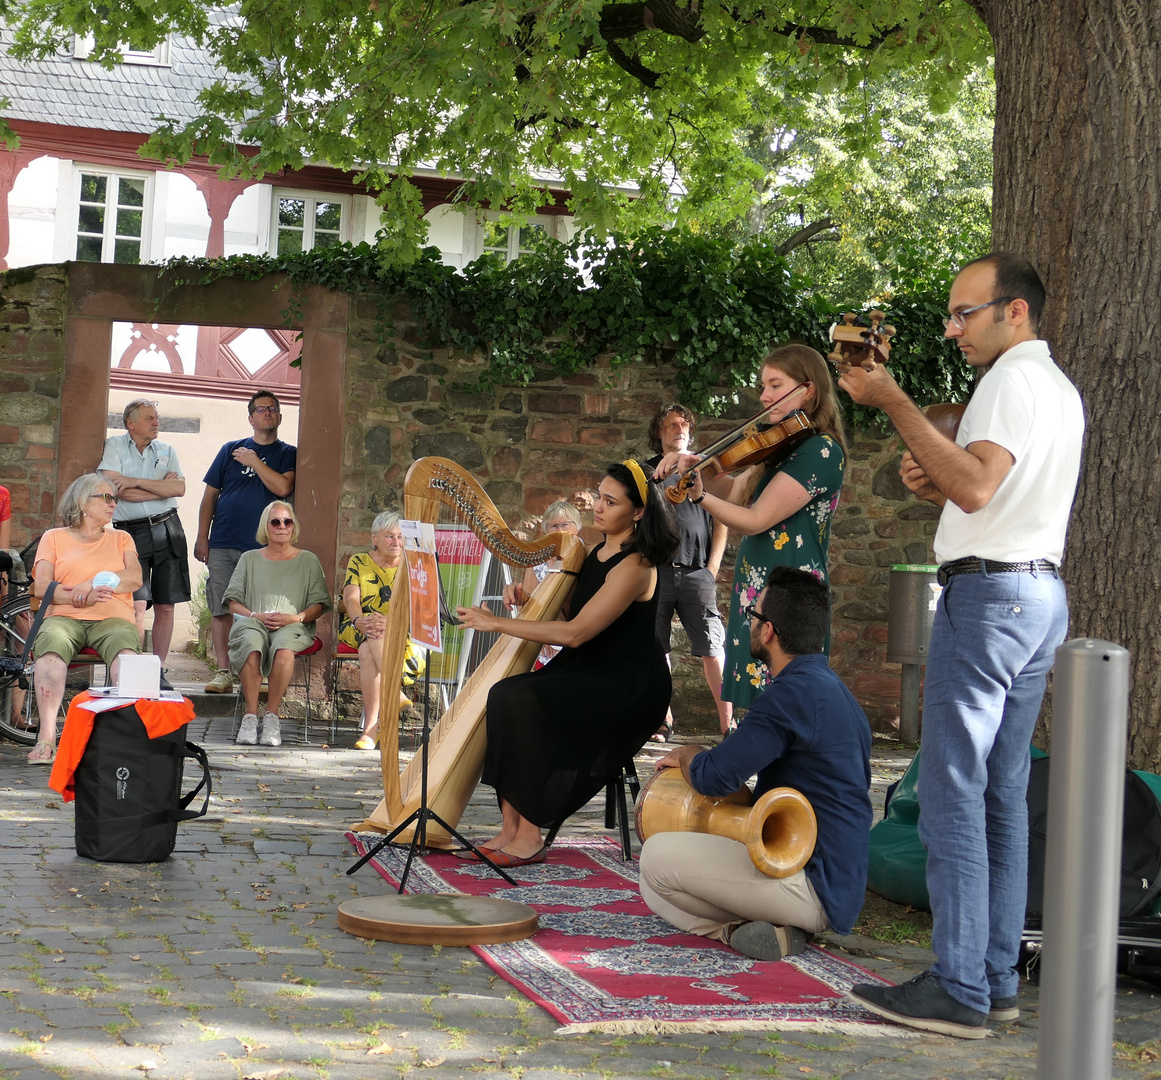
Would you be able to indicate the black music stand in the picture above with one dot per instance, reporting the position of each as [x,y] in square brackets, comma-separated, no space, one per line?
[423,813]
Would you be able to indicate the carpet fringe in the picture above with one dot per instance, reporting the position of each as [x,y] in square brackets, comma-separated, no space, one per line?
[707,1027]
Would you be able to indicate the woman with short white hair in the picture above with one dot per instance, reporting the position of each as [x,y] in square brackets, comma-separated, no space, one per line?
[366,598]
[275,595]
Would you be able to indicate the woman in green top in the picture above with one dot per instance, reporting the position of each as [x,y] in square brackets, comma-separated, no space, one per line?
[784,512]
[275,594]
[366,597]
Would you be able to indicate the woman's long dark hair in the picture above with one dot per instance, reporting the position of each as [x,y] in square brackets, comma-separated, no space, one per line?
[656,537]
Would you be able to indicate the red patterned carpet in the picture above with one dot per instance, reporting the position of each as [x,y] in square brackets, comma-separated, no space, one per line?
[602,961]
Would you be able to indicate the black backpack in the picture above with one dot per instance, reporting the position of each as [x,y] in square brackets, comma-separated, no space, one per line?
[128,790]
[1140,844]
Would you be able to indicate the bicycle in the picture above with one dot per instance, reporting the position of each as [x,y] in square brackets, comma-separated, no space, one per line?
[19,720]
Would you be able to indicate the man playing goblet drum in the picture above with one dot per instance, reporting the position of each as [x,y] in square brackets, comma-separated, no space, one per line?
[804,731]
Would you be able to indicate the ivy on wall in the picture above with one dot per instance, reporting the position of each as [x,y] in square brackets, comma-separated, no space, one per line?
[707,306]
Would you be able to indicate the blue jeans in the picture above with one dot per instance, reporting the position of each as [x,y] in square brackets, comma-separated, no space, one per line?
[992,645]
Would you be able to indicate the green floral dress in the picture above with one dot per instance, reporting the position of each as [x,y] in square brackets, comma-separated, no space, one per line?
[801,541]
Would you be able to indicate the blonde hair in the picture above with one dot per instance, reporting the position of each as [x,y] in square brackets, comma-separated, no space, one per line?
[801,363]
[263,536]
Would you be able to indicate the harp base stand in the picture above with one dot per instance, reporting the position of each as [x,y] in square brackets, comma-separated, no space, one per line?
[423,814]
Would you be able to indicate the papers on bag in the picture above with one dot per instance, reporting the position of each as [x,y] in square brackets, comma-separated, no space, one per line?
[114,697]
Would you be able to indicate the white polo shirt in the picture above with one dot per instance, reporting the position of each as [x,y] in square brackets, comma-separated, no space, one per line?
[1027,405]
[121,455]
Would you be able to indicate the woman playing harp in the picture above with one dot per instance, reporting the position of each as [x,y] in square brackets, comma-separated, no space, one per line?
[557,735]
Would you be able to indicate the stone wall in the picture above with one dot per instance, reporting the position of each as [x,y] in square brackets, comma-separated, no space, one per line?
[32,305]
[531,445]
[399,401]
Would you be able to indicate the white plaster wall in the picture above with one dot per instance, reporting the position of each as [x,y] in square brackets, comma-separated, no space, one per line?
[184,220]
[446,232]
[220,422]
[32,213]
[248,222]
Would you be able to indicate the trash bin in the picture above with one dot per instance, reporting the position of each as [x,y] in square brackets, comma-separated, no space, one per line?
[910,614]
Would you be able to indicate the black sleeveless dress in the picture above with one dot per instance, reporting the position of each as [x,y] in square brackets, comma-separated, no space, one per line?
[556,736]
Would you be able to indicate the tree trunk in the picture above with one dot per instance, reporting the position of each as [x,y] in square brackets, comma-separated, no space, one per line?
[1078,189]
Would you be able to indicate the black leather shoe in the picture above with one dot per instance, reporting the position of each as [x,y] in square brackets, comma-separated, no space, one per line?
[922,1003]
[165,683]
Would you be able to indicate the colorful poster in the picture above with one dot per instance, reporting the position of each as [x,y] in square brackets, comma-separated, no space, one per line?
[423,578]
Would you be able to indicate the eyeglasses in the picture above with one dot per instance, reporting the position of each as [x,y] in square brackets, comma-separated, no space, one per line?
[110,500]
[749,612]
[284,522]
[960,317]
[269,410]
[559,526]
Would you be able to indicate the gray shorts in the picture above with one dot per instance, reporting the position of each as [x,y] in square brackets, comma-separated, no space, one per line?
[220,562]
[693,595]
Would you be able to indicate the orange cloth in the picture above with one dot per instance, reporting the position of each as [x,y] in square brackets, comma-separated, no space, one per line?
[159,718]
[74,563]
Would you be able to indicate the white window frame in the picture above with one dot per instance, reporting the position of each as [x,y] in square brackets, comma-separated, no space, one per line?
[474,232]
[311,200]
[109,238]
[158,56]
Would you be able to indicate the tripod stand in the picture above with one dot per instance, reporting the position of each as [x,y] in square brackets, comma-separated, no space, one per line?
[423,813]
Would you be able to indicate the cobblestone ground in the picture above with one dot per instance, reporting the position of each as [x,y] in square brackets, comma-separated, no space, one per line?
[226,960]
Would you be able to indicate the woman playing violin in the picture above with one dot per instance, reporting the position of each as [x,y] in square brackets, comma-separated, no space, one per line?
[784,512]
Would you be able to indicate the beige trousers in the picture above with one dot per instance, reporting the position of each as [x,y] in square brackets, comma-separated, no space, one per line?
[707,884]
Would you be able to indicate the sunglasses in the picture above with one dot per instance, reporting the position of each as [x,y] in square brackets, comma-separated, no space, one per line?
[111,500]
[285,522]
[269,410]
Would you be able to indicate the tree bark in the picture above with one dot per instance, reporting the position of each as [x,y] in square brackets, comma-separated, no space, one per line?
[1078,189]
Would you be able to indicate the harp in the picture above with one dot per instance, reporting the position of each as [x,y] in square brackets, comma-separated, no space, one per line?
[456,753]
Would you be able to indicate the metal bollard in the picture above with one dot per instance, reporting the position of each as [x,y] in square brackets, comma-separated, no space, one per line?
[1086,798]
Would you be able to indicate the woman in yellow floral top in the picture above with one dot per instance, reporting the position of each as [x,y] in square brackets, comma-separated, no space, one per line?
[366,596]
[784,512]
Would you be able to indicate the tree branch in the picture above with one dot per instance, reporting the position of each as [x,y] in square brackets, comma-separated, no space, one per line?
[803,235]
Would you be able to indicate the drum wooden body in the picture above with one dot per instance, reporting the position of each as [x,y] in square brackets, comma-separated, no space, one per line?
[458,739]
[437,919]
[779,830]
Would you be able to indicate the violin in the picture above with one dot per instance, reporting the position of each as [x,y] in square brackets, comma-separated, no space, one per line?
[860,346]
[757,441]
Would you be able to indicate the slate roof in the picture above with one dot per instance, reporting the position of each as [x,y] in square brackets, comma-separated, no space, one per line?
[80,93]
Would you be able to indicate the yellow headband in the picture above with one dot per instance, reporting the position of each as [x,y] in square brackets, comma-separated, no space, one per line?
[639,477]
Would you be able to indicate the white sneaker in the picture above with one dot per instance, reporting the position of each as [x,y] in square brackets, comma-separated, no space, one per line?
[248,730]
[271,735]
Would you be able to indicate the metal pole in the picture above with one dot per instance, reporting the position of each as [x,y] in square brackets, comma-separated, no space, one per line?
[1086,796]
[909,703]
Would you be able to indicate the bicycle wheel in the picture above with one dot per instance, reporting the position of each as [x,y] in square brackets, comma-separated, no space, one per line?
[19,719]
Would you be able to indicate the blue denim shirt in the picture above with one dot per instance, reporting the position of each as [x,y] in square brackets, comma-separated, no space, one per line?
[807,732]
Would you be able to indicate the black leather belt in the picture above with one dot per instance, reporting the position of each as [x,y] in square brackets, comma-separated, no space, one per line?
[972,565]
[145,522]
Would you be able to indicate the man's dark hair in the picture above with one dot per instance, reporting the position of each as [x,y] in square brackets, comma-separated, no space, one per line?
[659,419]
[798,606]
[1015,277]
[262,394]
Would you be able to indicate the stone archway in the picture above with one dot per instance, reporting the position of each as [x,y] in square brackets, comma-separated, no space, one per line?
[100,294]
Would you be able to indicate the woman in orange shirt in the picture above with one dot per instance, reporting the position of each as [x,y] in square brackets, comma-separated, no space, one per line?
[83,613]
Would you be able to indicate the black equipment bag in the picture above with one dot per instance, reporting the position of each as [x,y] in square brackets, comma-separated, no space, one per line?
[1140,843]
[128,790]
